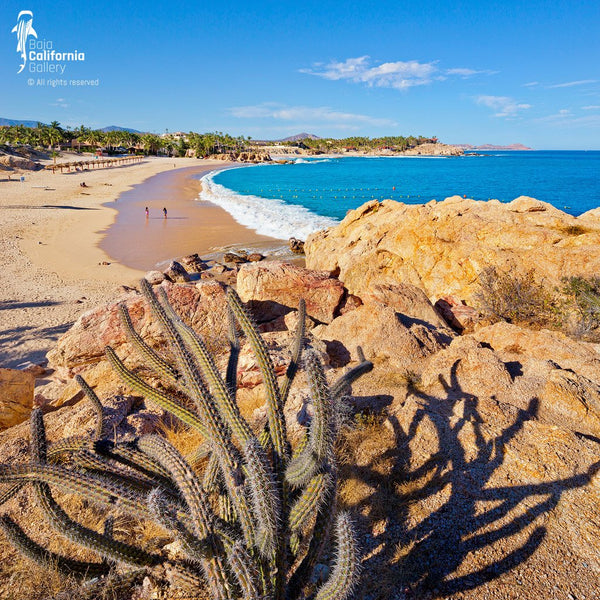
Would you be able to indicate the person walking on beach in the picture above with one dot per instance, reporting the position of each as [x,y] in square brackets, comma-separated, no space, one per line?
[147,212]
[165,212]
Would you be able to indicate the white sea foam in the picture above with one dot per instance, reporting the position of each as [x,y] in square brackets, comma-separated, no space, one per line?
[303,161]
[274,218]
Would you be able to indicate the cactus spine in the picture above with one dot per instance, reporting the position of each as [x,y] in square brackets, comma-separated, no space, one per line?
[254,525]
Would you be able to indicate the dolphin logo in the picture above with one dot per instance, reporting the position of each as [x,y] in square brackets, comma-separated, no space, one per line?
[24,29]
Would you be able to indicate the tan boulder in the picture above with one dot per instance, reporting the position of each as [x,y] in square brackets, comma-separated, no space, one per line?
[406,299]
[383,334]
[16,396]
[466,368]
[274,288]
[203,306]
[514,343]
[571,400]
[442,247]
[514,366]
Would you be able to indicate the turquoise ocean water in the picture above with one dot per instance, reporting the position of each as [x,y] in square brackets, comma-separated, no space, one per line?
[312,193]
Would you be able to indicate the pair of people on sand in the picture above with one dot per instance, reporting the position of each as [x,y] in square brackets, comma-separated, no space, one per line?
[164,212]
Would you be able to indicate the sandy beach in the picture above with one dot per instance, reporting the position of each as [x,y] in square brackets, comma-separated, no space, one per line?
[147,242]
[53,263]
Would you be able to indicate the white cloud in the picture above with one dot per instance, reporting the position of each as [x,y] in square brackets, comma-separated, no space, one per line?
[399,75]
[502,105]
[591,107]
[566,118]
[61,103]
[531,84]
[319,114]
[464,73]
[572,83]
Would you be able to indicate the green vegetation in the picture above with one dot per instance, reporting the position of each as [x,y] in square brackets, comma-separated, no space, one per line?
[573,308]
[583,299]
[397,143]
[53,136]
[261,516]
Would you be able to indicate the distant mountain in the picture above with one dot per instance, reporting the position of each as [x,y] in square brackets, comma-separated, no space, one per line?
[493,147]
[9,122]
[117,128]
[299,137]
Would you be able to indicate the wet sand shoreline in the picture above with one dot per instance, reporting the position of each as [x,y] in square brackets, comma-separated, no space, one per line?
[148,242]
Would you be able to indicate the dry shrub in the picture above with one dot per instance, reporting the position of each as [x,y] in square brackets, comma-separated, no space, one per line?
[515,297]
[574,230]
[582,305]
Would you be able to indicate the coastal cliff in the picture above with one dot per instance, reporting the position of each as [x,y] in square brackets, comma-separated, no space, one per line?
[434,150]
[244,157]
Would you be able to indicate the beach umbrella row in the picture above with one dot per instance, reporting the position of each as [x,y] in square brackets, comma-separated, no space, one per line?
[97,163]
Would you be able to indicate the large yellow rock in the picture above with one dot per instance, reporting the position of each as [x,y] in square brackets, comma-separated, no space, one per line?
[442,247]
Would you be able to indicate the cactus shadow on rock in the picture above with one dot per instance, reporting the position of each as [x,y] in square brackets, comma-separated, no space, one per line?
[433,519]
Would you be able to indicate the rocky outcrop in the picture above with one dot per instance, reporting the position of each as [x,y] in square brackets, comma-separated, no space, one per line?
[475,460]
[16,396]
[245,157]
[201,305]
[431,149]
[442,247]
[17,162]
[274,288]
[176,272]
[518,367]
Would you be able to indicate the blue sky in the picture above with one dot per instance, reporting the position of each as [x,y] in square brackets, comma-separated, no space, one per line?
[467,72]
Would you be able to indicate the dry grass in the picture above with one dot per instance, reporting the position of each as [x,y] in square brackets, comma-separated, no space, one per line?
[574,230]
[249,399]
[184,438]
[515,298]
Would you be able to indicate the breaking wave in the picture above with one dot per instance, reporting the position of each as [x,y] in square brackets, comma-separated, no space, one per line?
[271,217]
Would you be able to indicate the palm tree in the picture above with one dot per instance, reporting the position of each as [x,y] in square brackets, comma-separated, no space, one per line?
[95,138]
[151,143]
[55,134]
[82,133]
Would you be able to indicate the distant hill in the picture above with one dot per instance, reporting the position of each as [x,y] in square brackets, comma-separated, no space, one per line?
[299,137]
[10,122]
[117,128]
[493,147]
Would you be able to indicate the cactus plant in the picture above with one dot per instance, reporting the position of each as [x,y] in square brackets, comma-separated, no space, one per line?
[258,520]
